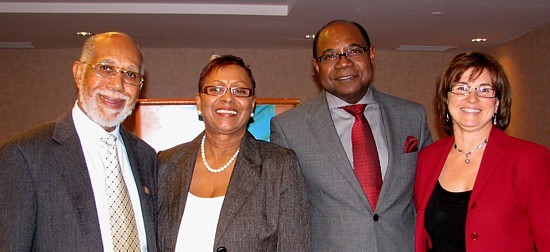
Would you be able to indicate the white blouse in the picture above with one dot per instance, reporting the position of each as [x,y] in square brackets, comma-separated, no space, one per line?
[199,222]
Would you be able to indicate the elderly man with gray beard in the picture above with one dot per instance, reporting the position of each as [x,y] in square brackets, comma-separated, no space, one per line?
[83,182]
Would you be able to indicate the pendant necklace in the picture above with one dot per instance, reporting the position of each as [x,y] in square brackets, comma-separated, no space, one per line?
[467,161]
[221,168]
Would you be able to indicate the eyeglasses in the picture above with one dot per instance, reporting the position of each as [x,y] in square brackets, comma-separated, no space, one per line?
[235,91]
[485,91]
[109,71]
[349,54]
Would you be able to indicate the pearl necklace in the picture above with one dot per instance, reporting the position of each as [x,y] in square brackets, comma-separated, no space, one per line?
[467,161]
[219,169]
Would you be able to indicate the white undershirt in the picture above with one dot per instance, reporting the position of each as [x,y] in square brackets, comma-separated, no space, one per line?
[95,152]
[199,223]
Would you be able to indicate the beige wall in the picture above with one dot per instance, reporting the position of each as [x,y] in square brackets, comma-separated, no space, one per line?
[527,64]
[37,84]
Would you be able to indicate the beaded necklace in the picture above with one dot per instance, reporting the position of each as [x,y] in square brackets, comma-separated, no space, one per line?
[467,161]
[221,168]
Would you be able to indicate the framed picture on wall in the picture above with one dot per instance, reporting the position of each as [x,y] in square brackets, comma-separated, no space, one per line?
[164,123]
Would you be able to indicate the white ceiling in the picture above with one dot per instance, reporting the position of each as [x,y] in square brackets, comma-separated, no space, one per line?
[270,23]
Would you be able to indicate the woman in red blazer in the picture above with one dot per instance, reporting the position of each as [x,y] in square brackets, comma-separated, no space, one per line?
[480,189]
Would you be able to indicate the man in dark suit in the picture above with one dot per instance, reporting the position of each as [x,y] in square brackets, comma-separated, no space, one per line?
[320,132]
[56,180]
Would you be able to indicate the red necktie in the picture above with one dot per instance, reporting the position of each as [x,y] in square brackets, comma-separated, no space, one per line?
[365,156]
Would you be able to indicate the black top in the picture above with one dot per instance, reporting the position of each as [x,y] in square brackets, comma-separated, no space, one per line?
[445,219]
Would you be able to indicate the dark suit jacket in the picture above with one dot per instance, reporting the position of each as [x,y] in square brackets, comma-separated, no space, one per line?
[46,199]
[509,208]
[342,219]
[265,208]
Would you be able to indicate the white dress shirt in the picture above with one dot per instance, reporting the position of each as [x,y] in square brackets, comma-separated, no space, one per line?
[95,152]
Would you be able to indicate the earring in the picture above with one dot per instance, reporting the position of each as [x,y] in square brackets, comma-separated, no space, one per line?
[200,115]
[495,119]
[447,118]
[252,114]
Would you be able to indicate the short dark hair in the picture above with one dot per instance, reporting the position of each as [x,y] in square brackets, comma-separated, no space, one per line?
[478,62]
[361,29]
[217,62]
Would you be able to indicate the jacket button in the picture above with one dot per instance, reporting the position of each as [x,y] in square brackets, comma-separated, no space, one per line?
[375,217]
[474,205]
[221,249]
[475,236]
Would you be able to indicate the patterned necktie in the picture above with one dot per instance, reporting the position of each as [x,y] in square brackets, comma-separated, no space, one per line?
[121,213]
[365,156]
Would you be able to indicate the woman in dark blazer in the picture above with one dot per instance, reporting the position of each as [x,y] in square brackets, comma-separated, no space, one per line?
[225,190]
[480,189]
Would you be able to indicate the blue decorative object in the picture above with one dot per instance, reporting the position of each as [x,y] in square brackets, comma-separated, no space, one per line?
[260,126]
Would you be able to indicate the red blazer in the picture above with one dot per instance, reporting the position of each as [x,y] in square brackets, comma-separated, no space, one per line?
[509,207]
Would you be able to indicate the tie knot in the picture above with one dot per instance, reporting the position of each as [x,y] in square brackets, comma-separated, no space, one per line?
[356,109]
[109,139]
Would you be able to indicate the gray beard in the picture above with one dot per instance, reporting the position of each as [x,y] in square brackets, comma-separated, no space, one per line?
[91,109]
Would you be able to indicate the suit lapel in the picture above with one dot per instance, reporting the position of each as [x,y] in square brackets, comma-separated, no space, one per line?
[393,135]
[180,178]
[135,161]
[73,169]
[490,161]
[135,164]
[322,127]
[143,186]
[437,161]
[245,177]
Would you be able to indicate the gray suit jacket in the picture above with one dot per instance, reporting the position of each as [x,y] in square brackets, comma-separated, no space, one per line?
[342,219]
[265,208]
[46,200]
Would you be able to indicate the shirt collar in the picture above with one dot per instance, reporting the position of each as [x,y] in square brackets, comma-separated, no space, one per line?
[335,102]
[88,130]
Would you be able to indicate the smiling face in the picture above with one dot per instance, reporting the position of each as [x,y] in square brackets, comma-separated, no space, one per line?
[226,114]
[346,79]
[472,113]
[108,101]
